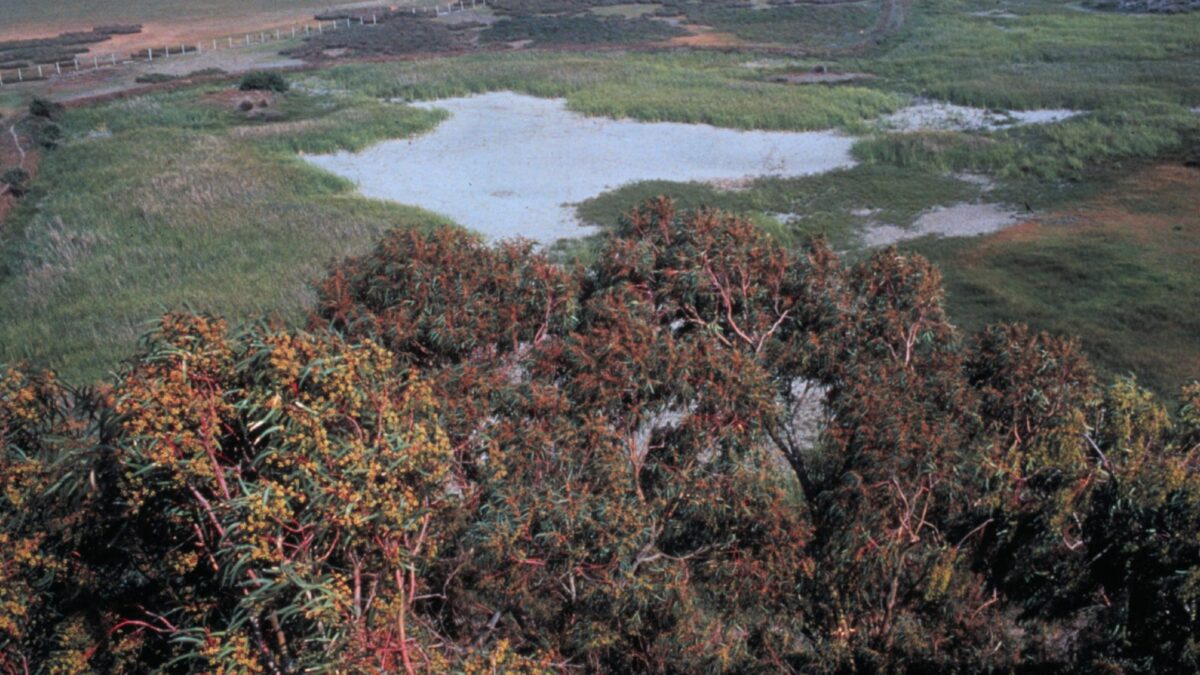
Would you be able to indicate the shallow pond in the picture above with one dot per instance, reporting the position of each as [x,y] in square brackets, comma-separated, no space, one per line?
[509,165]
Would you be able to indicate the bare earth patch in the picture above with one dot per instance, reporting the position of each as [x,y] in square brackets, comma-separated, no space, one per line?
[959,220]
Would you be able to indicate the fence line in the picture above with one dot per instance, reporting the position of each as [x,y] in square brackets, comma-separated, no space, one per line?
[90,62]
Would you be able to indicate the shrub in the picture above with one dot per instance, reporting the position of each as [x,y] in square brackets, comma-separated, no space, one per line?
[45,108]
[263,81]
[17,180]
[154,78]
[206,72]
[48,135]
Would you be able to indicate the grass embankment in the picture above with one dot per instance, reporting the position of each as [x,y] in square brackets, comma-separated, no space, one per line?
[174,200]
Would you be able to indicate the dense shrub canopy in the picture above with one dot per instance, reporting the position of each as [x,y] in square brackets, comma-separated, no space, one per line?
[702,452]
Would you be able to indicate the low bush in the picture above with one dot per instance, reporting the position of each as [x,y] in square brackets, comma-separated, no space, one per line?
[16,180]
[207,72]
[154,78]
[118,29]
[48,135]
[263,81]
[45,108]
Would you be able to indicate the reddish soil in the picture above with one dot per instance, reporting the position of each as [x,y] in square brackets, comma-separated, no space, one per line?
[704,36]
[1169,188]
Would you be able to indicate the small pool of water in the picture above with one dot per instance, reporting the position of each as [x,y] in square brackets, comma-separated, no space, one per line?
[936,116]
[510,165]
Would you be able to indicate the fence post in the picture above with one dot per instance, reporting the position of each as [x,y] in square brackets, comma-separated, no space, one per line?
[293,32]
[1,78]
[96,62]
[247,38]
[231,42]
[214,45]
[374,20]
[167,49]
[114,59]
[20,77]
[57,68]
[149,54]
[40,71]
[320,30]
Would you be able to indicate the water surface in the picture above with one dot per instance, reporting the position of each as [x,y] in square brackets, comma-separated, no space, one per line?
[508,165]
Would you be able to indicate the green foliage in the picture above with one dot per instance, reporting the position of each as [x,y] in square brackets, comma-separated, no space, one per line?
[700,88]
[45,108]
[263,80]
[173,201]
[48,135]
[1043,152]
[17,180]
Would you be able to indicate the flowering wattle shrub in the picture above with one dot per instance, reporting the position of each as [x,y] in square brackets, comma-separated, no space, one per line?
[702,452]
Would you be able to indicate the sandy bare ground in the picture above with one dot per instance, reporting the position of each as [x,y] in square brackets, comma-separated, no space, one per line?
[958,220]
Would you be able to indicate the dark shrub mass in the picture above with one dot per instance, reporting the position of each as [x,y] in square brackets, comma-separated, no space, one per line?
[263,81]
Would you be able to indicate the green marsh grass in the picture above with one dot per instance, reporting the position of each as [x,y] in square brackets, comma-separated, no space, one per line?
[688,87]
[169,201]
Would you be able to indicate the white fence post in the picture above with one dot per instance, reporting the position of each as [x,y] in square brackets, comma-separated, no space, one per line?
[149,54]
[114,59]
[57,68]
[39,71]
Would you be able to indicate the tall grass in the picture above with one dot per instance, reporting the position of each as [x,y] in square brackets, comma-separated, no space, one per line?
[1048,55]
[1052,151]
[836,205]
[697,88]
[170,201]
